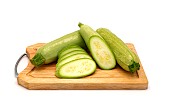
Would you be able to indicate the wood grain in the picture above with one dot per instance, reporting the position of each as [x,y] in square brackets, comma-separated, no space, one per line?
[43,78]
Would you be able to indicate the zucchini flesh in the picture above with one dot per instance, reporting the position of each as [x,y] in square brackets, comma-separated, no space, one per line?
[49,52]
[99,49]
[101,52]
[127,59]
[77,68]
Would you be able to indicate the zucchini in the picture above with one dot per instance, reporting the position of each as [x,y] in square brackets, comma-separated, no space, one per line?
[74,64]
[71,53]
[76,68]
[126,58]
[73,57]
[48,53]
[98,47]
[69,49]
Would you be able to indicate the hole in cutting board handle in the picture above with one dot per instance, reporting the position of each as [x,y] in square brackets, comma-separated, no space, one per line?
[17,63]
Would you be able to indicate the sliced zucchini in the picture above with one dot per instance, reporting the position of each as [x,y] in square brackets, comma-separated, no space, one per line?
[77,68]
[68,47]
[73,57]
[68,50]
[71,53]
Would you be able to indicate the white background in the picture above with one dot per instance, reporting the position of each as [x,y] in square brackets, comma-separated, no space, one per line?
[144,23]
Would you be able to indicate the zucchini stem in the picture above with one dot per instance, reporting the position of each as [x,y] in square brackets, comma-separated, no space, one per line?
[80,24]
[38,60]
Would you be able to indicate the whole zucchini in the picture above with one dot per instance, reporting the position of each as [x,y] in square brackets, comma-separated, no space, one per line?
[48,53]
[127,59]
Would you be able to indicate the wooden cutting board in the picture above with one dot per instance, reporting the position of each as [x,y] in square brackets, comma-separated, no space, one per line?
[43,78]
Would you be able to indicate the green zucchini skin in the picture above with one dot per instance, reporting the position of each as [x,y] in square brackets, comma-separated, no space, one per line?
[49,52]
[126,58]
[97,46]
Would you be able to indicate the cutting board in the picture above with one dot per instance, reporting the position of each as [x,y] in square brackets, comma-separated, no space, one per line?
[43,78]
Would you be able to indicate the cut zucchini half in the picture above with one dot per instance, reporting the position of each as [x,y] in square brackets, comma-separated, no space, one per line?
[101,53]
[77,68]
[99,49]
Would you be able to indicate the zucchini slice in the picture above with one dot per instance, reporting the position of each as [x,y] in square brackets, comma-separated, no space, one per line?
[68,50]
[77,68]
[73,57]
[71,53]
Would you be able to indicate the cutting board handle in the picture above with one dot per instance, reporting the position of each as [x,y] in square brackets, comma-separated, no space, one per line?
[16,65]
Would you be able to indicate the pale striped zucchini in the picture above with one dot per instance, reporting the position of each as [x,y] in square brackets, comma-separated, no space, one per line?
[126,58]
[49,52]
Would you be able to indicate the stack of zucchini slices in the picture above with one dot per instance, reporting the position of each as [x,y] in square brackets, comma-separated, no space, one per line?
[74,62]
